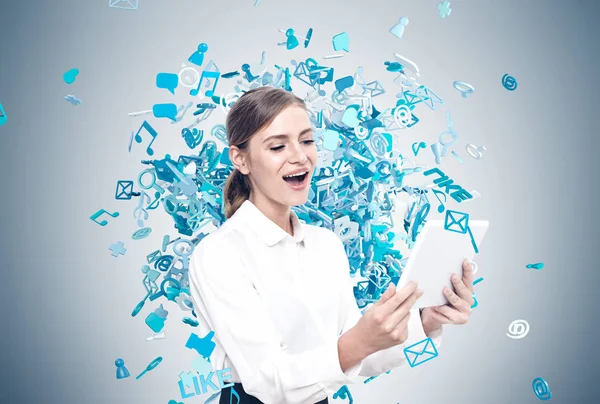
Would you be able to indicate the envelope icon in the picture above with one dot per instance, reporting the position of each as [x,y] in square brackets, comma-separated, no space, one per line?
[361,288]
[457,222]
[185,160]
[361,294]
[410,99]
[124,4]
[354,247]
[124,190]
[420,352]
[316,74]
[374,88]
[431,99]
[302,73]
[389,122]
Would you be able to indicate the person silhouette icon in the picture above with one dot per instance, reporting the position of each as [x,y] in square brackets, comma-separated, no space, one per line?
[292,41]
[122,371]
[246,69]
[398,29]
[197,57]
[393,67]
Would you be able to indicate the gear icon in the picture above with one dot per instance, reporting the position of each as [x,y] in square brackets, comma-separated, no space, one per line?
[184,301]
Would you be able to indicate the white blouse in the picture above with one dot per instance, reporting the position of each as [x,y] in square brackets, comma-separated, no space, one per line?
[278,304]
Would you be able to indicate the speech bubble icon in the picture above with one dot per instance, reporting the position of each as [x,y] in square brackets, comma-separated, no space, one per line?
[341,41]
[70,76]
[165,111]
[344,83]
[168,81]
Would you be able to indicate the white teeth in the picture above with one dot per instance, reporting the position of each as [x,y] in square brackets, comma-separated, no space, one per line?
[295,175]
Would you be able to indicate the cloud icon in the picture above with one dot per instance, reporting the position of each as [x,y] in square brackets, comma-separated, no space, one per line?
[72,99]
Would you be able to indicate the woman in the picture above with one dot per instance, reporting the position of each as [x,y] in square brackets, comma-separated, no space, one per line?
[277,292]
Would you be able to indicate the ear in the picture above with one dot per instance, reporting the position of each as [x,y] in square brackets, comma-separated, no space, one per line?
[238,159]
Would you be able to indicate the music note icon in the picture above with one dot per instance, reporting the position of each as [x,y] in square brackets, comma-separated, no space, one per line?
[209,75]
[234,393]
[99,213]
[152,132]
[139,211]
[441,207]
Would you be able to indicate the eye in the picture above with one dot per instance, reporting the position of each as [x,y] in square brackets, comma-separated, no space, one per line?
[280,147]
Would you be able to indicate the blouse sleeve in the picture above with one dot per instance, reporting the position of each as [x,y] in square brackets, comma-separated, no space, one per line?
[385,359]
[224,294]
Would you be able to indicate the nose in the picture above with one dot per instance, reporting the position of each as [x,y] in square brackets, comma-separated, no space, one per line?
[297,153]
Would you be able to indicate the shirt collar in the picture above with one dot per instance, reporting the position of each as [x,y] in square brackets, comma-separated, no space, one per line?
[269,232]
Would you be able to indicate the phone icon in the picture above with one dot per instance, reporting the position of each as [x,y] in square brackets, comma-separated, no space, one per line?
[3,117]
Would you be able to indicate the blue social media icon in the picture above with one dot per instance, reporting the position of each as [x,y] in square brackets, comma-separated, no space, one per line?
[165,111]
[344,83]
[341,41]
[167,81]
[70,76]
[541,389]
[3,117]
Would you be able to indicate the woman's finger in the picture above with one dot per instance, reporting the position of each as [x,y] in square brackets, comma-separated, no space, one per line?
[399,297]
[387,295]
[467,277]
[461,289]
[456,301]
[403,311]
[438,316]
[454,315]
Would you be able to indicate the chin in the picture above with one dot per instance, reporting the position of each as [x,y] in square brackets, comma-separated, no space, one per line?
[296,200]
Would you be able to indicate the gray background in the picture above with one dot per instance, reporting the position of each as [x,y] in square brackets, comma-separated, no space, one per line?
[67,302]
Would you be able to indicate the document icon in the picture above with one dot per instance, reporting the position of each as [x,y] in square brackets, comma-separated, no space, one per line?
[420,352]
[457,222]
[124,4]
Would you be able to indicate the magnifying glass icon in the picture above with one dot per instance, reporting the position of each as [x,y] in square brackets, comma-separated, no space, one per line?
[464,88]
[152,173]
[150,366]
[163,288]
[450,132]
[184,248]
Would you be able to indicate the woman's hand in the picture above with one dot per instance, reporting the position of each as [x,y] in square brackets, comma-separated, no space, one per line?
[459,309]
[385,323]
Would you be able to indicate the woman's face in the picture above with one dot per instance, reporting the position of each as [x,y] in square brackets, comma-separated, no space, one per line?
[282,148]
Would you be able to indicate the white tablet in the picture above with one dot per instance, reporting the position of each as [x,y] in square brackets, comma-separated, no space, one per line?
[437,254]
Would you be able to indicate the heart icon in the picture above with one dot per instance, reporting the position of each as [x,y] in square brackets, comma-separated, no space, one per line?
[350,117]
[69,77]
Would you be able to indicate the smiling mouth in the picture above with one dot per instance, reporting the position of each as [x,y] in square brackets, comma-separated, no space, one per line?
[296,179]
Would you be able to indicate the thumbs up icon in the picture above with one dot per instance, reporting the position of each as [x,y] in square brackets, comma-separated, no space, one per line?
[204,346]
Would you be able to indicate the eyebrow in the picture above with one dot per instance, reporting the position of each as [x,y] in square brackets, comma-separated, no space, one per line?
[283,135]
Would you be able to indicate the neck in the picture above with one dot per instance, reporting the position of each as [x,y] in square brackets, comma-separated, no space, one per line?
[279,214]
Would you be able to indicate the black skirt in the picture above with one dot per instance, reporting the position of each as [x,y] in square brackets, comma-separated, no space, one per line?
[228,396]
